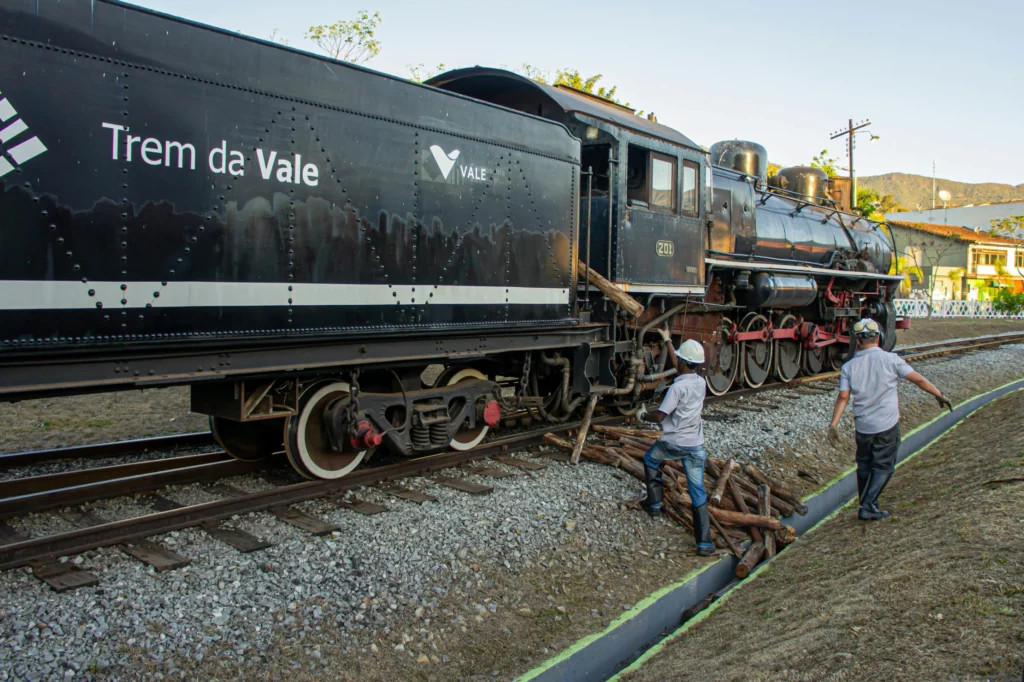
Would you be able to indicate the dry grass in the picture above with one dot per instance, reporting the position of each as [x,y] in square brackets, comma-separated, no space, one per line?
[58,422]
[935,593]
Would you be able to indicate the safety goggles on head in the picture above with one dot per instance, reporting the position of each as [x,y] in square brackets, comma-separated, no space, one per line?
[866,328]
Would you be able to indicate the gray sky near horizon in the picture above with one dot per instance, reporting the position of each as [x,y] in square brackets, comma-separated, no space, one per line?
[936,78]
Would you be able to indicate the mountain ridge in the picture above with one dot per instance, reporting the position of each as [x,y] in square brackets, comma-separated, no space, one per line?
[914,192]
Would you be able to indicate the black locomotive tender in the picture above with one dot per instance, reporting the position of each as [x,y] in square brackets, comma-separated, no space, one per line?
[300,239]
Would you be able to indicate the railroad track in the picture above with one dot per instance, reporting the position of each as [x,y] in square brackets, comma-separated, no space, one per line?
[19,497]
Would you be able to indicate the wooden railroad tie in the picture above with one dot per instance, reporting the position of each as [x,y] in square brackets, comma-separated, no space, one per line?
[239,539]
[151,553]
[411,495]
[463,485]
[61,577]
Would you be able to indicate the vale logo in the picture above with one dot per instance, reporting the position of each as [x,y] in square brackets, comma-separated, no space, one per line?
[16,148]
[438,165]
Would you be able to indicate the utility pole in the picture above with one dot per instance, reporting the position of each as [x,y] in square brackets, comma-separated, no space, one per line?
[933,185]
[850,131]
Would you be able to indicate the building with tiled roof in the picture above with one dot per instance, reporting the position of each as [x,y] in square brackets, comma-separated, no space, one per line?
[955,262]
[980,215]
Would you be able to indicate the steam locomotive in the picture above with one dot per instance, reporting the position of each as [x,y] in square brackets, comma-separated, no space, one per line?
[337,260]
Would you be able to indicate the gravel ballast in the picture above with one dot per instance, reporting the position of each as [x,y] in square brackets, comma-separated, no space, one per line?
[470,585]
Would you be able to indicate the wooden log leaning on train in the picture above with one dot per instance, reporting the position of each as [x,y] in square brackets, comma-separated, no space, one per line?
[581,437]
[633,307]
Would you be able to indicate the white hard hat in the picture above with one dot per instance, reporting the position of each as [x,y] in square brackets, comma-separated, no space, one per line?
[866,327]
[691,352]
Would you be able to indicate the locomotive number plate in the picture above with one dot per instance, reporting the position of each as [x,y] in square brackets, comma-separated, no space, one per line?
[665,248]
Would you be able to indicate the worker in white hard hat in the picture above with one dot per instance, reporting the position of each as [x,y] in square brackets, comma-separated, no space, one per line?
[682,438]
[871,377]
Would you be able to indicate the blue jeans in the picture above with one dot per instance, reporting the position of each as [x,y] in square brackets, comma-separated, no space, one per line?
[693,459]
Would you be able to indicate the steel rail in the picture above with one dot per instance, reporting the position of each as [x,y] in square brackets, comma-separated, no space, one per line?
[101,450]
[74,542]
[45,500]
[69,479]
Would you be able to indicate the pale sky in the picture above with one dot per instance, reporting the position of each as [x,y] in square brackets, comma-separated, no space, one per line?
[939,80]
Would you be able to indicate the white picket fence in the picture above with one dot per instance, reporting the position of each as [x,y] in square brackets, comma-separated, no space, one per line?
[910,307]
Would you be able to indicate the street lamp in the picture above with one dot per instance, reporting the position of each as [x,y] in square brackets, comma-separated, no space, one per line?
[850,131]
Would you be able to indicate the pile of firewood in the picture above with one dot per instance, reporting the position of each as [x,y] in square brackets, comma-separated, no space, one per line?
[744,504]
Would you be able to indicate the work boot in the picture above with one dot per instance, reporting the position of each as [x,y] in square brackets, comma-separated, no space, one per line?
[702,530]
[863,475]
[869,509]
[655,492]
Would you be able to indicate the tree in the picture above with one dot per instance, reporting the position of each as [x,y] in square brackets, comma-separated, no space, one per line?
[908,268]
[420,73]
[823,162]
[1007,226]
[773,169]
[275,37]
[351,41]
[574,79]
[922,250]
[871,205]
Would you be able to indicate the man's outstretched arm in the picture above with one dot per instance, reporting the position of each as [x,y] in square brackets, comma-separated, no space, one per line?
[928,387]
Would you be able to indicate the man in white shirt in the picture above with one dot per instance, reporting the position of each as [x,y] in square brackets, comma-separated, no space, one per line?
[682,438]
[871,377]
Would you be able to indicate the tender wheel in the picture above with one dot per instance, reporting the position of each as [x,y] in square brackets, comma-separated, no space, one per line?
[755,356]
[305,435]
[722,371]
[788,353]
[465,438]
[247,441]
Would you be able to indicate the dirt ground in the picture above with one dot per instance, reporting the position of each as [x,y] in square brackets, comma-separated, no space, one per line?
[76,420]
[935,593]
[923,331]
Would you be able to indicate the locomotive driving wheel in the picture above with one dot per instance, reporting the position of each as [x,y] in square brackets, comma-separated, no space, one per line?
[466,438]
[247,441]
[788,352]
[755,356]
[305,435]
[722,372]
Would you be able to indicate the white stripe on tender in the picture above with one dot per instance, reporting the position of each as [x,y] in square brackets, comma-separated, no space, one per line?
[13,130]
[27,150]
[48,295]
[5,167]
[6,110]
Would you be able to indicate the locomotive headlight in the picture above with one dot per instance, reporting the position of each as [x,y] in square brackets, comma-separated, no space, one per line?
[591,133]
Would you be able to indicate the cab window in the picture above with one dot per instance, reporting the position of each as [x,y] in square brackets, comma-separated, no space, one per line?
[651,180]
[691,171]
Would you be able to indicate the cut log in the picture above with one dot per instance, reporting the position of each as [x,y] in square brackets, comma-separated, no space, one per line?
[581,437]
[617,295]
[618,431]
[725,536]
[737,497]
[751,559]
[723,478]
[778,489]
[755,521]
[785,536]
[764,496]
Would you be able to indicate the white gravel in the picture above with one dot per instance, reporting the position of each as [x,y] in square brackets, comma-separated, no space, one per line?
[377,574]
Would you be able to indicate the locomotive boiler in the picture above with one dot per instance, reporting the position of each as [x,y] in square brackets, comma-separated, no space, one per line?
[338,261]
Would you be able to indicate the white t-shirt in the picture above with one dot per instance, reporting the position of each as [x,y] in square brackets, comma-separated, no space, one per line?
[871,375]
[683,403]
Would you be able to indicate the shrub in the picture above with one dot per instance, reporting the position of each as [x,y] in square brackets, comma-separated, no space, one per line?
[1005,301]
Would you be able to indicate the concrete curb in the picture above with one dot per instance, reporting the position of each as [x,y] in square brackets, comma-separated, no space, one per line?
[627,641]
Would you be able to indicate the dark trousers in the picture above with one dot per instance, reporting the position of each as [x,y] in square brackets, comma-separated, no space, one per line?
[876,459]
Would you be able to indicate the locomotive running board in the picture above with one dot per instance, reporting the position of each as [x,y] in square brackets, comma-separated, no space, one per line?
[641,632]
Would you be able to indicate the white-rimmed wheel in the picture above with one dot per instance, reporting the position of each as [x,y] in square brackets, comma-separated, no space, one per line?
[247,441]
[755,356]
[305,435]
[465,438]
[724,364]
[788,352]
